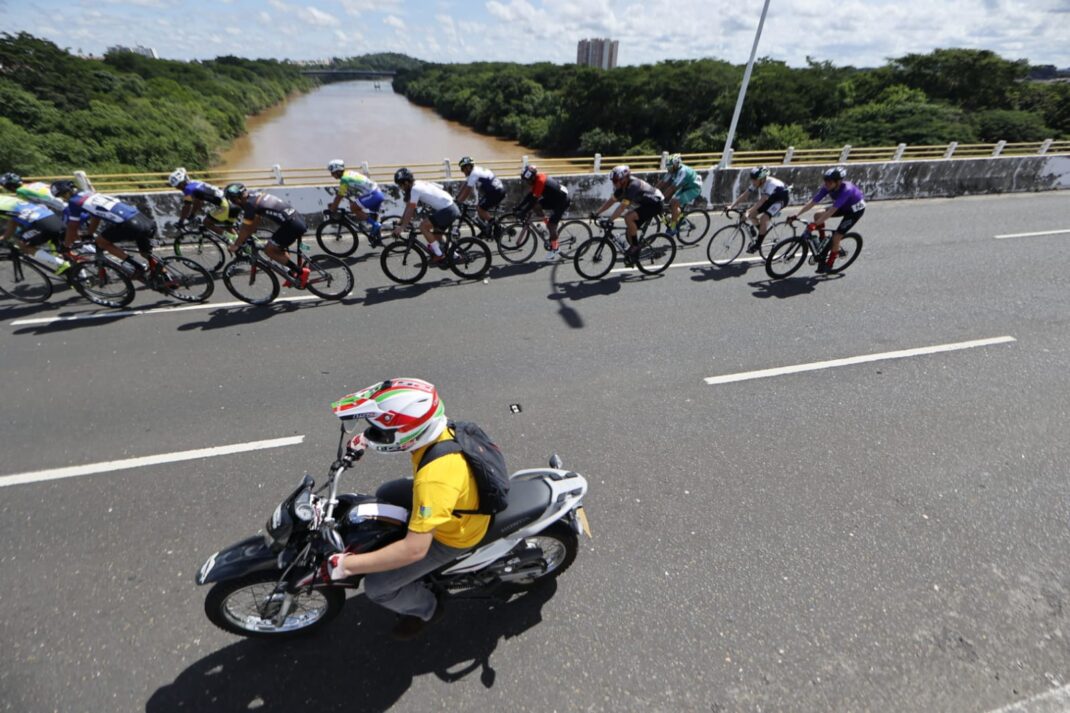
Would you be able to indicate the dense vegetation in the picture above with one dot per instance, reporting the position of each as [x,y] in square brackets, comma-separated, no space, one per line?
[378,61]
[947,95]
[59,112]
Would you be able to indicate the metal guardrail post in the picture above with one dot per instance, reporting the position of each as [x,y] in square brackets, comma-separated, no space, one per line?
[999,149]
[365,168]
[1045,146]
[951,150]
[523,162]
[788,155]
[664,159]
[446,168]
[899,151]
[83,181]
[598,163]
[845,153]
[276,170]
[726,160]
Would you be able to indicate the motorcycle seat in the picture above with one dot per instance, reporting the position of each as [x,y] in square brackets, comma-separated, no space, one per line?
[528,499]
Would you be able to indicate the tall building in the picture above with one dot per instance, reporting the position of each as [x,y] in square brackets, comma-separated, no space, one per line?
[597,52]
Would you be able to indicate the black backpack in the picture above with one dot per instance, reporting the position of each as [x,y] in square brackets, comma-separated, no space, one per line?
[484,458]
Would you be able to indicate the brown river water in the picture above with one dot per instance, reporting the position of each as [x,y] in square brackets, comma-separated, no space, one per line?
[355,122]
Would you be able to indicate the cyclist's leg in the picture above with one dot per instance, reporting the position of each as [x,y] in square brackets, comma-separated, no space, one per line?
[432,234]
[850,220]
[631,227]
[488,201]
[281,240]
[108,237]
[552,222]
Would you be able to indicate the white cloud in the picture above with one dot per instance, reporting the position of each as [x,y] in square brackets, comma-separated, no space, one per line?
[394,21]
[264,17]
[359,7]
[317,17]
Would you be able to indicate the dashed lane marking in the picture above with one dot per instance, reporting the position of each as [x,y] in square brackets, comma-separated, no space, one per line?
[1032,235]
[155,310]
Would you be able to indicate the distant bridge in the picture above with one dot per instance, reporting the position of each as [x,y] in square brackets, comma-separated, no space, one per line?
[348,73]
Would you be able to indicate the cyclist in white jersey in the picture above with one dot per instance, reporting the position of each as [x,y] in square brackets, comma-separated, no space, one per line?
[773,197]
[444,210]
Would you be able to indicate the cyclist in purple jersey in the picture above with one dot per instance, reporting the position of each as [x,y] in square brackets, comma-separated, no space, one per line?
[848,203]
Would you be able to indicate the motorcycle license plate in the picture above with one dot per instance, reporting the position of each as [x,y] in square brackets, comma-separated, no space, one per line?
[581,515]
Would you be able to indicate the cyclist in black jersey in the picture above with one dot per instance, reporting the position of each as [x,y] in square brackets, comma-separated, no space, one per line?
[291,225]
[547,194]
[638,201]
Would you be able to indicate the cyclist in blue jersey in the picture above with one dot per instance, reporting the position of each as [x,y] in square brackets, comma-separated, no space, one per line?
[365,197]
[30,227]
[848,203]
[122,222]
[681,187]
[195,195]
[489,188]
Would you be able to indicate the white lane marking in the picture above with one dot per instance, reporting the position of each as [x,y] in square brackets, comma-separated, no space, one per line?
[76,471]
[1053,701]
[817,365]
[1032,235]
[155,310]
[692,264]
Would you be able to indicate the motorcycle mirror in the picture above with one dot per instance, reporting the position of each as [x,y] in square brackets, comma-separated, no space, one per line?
[556,463]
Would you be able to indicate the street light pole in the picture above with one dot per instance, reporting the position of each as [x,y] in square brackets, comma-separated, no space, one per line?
[743,88]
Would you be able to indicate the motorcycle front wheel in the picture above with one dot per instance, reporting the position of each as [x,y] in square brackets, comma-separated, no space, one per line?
[242,607]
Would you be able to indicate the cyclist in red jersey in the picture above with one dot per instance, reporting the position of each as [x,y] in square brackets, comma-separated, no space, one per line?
[546,195]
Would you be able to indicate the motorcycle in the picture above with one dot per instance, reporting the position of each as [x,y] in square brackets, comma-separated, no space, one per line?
[271,585]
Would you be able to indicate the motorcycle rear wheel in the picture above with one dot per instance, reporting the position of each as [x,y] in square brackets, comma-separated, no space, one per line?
[560,547]
[232,606]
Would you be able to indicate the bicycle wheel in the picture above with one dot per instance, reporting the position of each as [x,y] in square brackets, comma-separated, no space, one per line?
[250,282]
[693,226]
[778,232]
[403,263]
[464,228]
[656,253]
[850,247]
[725,245]
[595,258]
[102,284]
[185,280]
[22,281]
[470,258]
[200,248]
[570,235]
[337,237]
[518,242]
[329,277]
[786,258]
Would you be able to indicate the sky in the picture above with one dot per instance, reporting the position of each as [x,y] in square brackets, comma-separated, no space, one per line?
[856,32]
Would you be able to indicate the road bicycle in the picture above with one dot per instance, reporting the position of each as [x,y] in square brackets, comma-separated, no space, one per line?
[406,259]
[178,277]
[254,278]
[727,243]
[339,235]
[208,248]
[26,279]
[694,224]
[787,256]
[596,257]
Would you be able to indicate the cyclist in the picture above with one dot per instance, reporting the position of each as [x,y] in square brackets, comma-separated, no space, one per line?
[30,227]
[848,203]
[256,206]
[681,187]
[363,193]
[407,416]
[490,189]
[122,222]
[444,210]
[638,201]
[546,195]
[36,192]
[773,197]
[195,194]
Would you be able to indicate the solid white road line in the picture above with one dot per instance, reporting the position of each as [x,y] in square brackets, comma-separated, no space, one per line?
[1056,700]
[692,264]
[155,310]
[76,471]
[817,365]
[1032,235]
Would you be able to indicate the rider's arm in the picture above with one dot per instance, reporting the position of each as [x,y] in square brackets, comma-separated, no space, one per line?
[336,202]
[9,229]
[466,191]
[72,232]
[804,209]
[605,206]
[248,226]
[394,556]
[621,208]
[406,217]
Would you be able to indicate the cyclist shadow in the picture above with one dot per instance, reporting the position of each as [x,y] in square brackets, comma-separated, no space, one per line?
[789,287]
[526,268]
[230,317]
[353,665]
[382,295]
[712,273]
[89,319]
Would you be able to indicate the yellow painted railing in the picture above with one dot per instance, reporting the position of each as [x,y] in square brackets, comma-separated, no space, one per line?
[444,170]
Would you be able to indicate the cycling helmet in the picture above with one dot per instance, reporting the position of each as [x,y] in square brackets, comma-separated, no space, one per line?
[674,162]
[466,162]
[63,188]
[835,174]
[759,174]
[234,191]
[402,175]
[529,172]
[10,181]
[404,414]
[177,177]
[336,165]
[620,173]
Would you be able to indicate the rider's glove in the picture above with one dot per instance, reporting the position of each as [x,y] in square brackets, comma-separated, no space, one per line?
[333,569]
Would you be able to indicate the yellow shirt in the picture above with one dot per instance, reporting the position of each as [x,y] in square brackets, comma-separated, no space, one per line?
[442,486]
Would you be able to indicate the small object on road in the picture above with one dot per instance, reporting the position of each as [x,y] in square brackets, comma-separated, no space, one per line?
[515,408]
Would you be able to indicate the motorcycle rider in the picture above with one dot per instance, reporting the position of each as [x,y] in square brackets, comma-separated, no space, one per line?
[407,416]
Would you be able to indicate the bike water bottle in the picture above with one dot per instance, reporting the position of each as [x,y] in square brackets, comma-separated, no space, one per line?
[56,263]
[230,236]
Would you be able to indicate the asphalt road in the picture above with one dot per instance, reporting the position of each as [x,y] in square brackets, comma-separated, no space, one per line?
[886,536]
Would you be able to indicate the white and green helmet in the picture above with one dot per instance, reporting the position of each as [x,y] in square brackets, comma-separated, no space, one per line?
[405,414]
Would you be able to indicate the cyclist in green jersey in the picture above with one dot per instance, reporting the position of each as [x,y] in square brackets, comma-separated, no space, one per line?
[681,187]
[36,192]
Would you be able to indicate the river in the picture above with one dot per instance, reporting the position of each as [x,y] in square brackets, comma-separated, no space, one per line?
[355,122]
